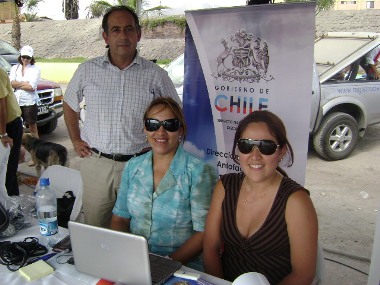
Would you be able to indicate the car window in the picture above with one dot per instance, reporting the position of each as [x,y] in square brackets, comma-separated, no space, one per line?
[6,48]
[352,72]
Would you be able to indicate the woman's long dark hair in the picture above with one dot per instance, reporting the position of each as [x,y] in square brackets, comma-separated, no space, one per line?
[32,60]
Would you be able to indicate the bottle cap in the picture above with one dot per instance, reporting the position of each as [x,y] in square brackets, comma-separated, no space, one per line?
[44,182]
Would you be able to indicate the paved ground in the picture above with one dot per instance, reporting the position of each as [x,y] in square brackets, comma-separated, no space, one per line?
[346,220]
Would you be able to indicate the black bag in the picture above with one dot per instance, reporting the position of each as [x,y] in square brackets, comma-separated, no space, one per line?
[64,208]
[4,218]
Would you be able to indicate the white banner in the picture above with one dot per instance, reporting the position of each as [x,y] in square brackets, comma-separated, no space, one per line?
[242,59]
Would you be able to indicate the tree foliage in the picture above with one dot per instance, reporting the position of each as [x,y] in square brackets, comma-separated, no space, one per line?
[152,23]
[31,8]
[99,7]
[322,5]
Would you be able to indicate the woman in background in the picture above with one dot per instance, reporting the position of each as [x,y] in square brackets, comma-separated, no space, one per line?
[260,220]
[165,194]
[24,79]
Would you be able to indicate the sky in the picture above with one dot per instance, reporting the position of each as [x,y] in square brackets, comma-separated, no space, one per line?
[53,8]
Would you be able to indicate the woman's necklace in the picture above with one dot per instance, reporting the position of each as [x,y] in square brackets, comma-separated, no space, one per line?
[257,196]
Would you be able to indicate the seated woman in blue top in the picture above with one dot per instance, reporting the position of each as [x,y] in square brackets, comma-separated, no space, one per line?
[165,194]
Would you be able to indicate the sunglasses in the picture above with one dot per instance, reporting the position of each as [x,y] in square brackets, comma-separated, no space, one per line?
[266,147]
[171,125]
[26,57]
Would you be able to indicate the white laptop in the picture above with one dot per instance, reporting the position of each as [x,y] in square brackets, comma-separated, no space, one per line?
[117,256]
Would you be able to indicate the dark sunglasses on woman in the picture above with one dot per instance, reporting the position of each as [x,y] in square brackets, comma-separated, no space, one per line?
[170,125]
[26,57]
[266,147]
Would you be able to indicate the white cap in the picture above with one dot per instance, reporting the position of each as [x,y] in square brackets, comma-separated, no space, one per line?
[26,50]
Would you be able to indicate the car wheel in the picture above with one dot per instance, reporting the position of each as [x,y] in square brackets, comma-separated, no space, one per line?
[49,127]
[336,137]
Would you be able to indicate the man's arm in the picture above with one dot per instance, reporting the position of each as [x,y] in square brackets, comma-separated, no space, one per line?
[72,123]
[374,70]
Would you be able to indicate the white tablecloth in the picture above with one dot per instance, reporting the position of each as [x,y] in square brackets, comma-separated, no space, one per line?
[64,274]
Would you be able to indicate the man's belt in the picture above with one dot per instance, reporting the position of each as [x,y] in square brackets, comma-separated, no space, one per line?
[117,157]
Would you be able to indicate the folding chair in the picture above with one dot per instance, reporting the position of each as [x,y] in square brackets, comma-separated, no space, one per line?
[64,179]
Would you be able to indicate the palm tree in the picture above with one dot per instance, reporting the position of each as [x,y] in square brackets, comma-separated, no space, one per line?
[30,5]
[71,9]
[97,9]
[16,28]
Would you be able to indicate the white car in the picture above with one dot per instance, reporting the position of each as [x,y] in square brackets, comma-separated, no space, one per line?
[176,72]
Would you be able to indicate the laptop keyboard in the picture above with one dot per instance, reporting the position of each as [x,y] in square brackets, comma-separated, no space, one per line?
[161,267]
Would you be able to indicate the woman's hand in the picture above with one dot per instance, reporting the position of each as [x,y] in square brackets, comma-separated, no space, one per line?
[120,224]
[5,140]
[190,250]
[23,85]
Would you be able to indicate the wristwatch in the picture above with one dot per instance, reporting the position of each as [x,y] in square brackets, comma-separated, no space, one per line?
[3,136]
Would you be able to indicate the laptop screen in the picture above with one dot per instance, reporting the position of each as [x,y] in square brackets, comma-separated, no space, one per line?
[117,256]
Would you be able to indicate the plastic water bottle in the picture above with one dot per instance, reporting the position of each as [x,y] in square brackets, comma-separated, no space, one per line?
[46,203]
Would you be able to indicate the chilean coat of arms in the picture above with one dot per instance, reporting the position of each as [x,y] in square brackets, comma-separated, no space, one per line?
[243,59]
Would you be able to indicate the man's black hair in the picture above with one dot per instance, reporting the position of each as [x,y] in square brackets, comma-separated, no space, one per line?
[119,8]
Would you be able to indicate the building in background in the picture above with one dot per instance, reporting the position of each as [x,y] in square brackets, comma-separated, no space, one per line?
[343,5]
[7,11]
[356,4]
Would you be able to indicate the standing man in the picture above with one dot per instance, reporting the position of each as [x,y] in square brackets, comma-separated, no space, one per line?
[10,131]
[369,63]
[118,87]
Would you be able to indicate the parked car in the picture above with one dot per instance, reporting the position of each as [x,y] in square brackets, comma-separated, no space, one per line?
[343,104]
[50,105]
[176,71]
[9,53]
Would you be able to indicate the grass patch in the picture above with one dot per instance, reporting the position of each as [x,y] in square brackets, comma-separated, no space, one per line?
[152,23]
[163,62]
[61,60]
[60,72]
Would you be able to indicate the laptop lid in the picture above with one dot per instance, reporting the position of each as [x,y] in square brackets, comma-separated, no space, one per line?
[111,255]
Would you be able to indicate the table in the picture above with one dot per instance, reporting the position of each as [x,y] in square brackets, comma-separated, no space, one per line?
[65,274]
